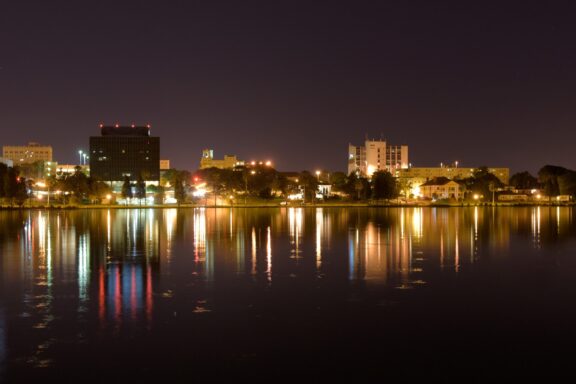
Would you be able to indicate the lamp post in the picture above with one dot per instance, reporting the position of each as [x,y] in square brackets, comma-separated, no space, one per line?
[84,156]
[80,155]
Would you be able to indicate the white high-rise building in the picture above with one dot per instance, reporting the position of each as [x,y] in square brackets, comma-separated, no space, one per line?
[376,155]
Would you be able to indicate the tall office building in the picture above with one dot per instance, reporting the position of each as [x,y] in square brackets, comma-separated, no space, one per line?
[376,155]
[26,154]
[125,151]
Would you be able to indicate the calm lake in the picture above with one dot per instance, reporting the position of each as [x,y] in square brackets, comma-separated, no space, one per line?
[308,294]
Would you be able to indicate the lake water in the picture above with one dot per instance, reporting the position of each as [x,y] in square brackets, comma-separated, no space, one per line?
[308,294]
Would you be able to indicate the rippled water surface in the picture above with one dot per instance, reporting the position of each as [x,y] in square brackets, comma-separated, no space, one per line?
[309,294]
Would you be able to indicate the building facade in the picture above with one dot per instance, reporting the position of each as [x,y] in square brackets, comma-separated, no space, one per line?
[7,162]
[376,155]
[125,151]
[424,174]
[25,154]
[442,188]
[208,161]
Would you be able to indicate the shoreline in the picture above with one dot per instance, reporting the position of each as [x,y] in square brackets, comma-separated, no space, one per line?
[278,205]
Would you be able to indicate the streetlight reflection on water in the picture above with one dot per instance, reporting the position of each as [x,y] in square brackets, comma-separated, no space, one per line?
[125,260]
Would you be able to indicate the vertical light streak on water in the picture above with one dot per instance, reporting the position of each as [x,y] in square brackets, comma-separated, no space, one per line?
[83,267]
[417,222]
[254,259]
[108,229]
[49,250]
[538,218]
[268,255]
[292,227]
[135,225]
[402,222]
[475,224]
[558,220]
[441,249]
[208,244]
[319,231]
[457,252]
[351,255]
[231,227]
[170,220]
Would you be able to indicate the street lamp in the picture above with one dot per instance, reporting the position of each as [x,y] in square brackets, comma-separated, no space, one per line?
[80,155]
[318,175]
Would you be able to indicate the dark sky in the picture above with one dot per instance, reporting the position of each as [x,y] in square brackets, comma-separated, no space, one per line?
[485,83]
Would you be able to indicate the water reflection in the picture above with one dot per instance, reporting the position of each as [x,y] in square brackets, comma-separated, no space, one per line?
[133,268]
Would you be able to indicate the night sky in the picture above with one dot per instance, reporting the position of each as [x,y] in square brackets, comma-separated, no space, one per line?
[484,83]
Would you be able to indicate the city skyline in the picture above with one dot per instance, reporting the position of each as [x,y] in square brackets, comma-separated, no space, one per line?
[456,82]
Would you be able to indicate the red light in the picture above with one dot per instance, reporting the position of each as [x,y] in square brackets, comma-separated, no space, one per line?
[101,125]
[117,125]
[147,125]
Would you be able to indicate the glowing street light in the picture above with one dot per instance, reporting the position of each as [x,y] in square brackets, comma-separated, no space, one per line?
[80,155]
[318,175]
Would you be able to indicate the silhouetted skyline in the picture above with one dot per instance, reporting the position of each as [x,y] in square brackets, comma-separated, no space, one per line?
[487,83]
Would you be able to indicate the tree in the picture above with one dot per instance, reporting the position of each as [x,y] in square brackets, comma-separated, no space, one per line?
[10,182]
[567,183]
[21,190]
[159,193]
[482,182]
[384,185]
[140,189]
[309,183]
[98,189]
[524,180]
[357,187]
[127,188]
[557,180]
[338,181]
[77,183]
[179,191]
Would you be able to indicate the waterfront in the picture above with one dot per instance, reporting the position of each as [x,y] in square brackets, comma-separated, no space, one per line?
[137,294]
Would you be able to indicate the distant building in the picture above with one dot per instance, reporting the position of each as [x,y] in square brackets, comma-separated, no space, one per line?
[70,169]
[412,179]
[442,188]
[25,154]
[208,161]
[6,162]
[376,155]
[428,173]
[125,151]
[164,165]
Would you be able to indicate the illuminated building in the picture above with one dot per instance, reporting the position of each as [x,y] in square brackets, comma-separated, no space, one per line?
[442,188]
[208,161]
[125,151]
[70,169]
[6,162]
[428,173]
[164,165]
[23,154]
[376,155]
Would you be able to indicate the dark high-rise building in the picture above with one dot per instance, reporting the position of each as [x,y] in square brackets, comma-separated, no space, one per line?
[125,151]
